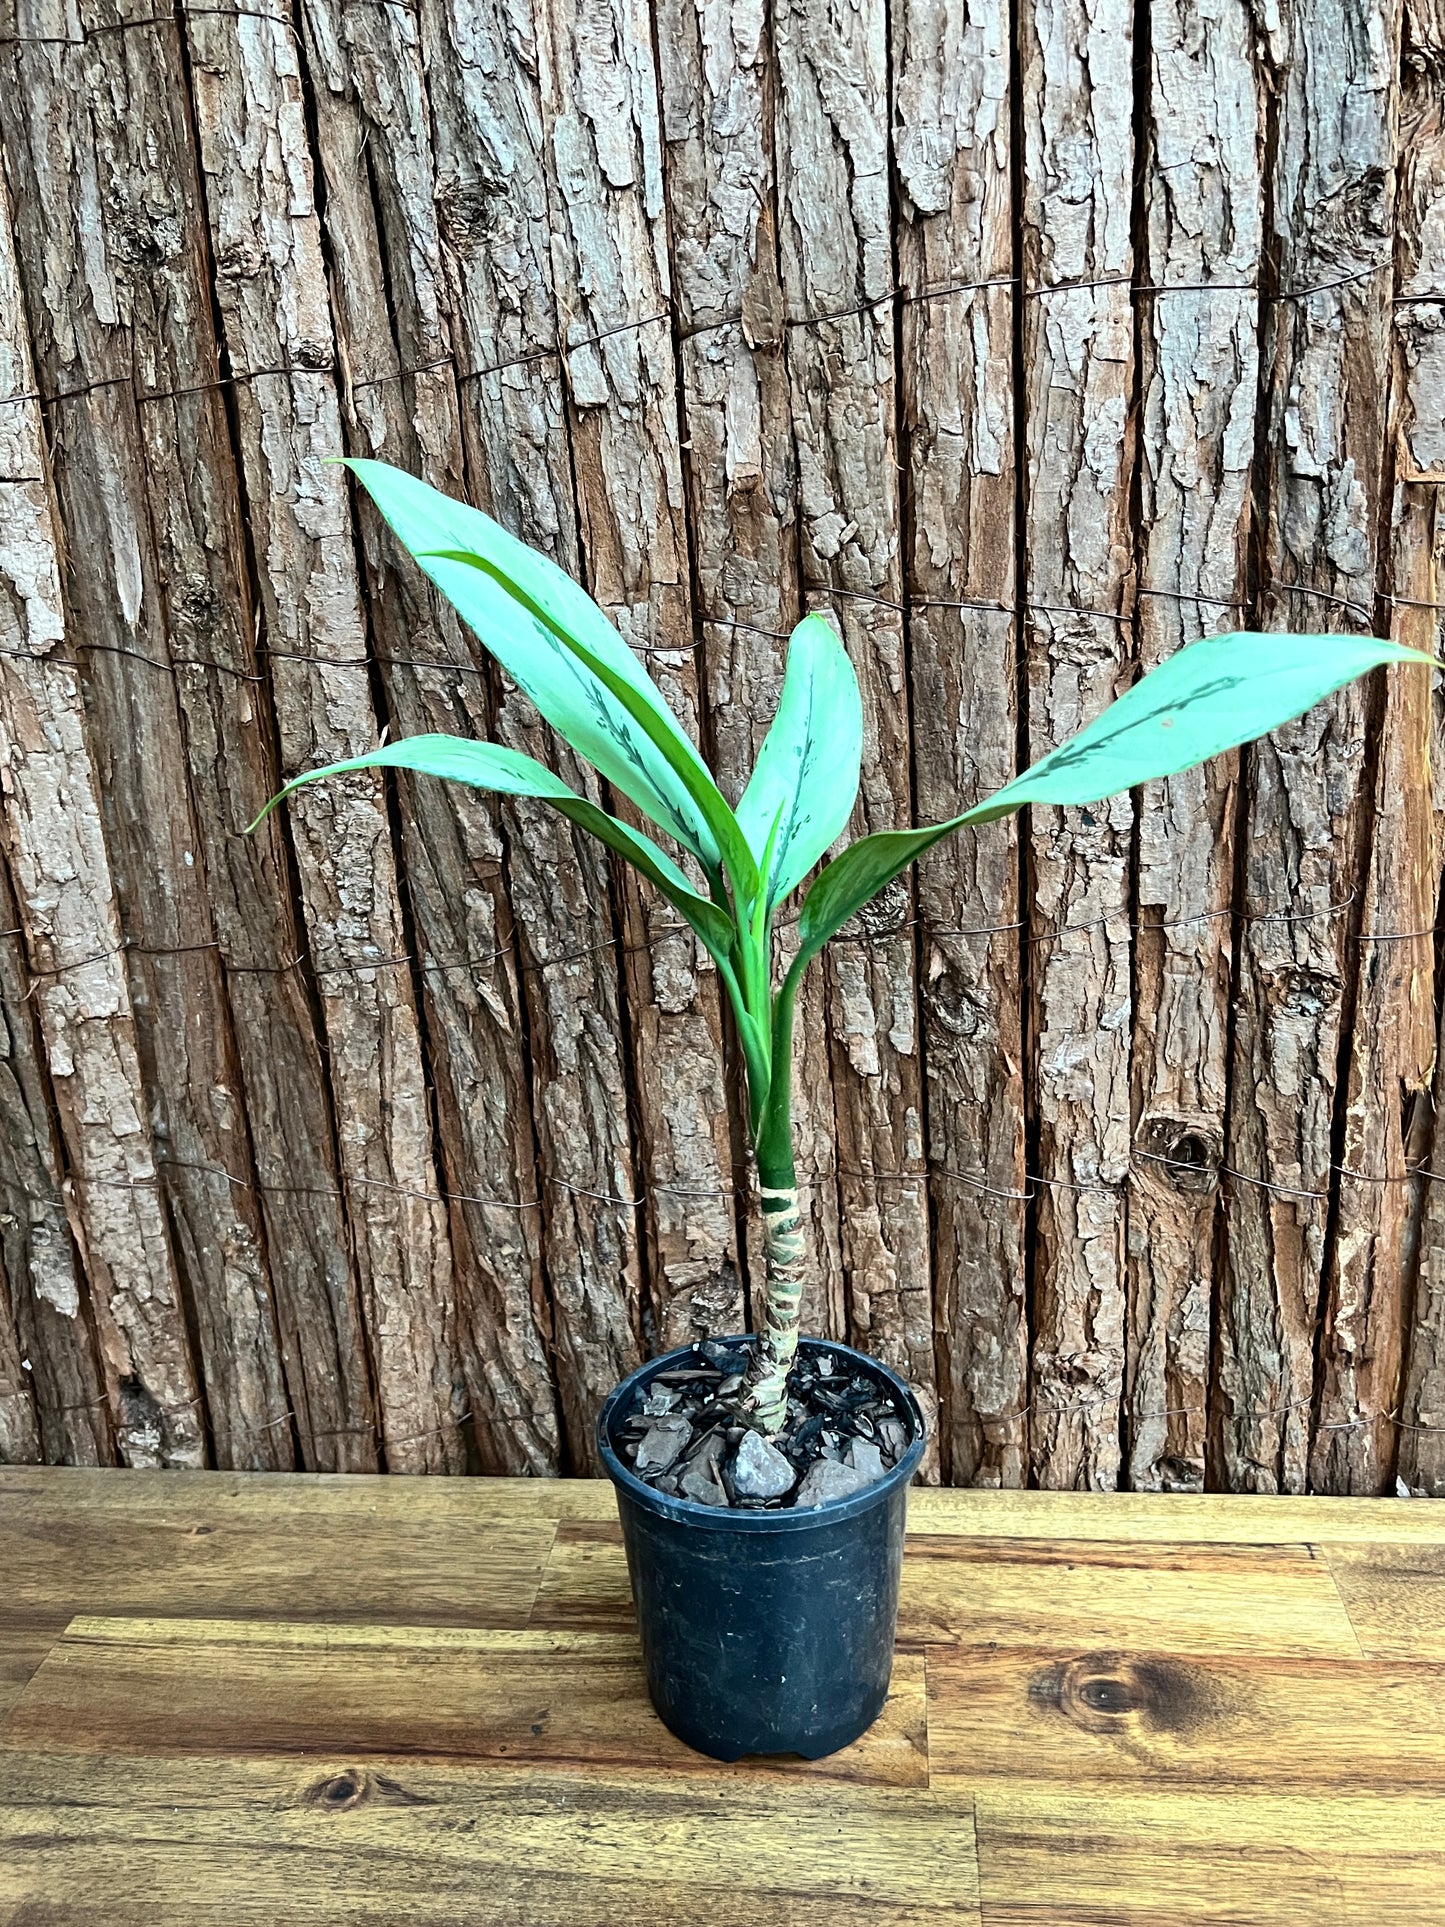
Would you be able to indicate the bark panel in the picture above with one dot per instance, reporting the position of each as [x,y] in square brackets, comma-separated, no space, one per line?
[50,1347]
[837,274]
[277,333]
[1326,364]
[495,231]
[1418,544]
[718,106]
[68,910]
[100,216]
[610,279]
[952,154]
[1198,383]
[1078,433]
[390,304]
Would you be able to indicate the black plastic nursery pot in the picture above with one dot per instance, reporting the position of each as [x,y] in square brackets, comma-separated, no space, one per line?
[765,1632]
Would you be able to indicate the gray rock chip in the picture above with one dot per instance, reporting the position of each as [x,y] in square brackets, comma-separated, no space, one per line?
[703,1480]
[661,1444]
[659,1401]
[864,1456]
[825,1479]
[759,1470]
[893,1439]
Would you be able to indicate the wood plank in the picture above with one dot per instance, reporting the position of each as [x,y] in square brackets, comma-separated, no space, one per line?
[221,1549]
[180,1843]
[1111,1720]
[1155,1598]
[1058,1860]
[242,1688]
[1395,1596]
[22,1648]
[953,152]
[67,1496]
[1201,1518]
[1020,1592]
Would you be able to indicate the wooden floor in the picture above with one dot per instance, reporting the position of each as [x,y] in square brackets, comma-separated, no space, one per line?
[242,1699]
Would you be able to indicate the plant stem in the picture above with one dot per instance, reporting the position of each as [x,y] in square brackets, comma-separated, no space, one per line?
[764,1400]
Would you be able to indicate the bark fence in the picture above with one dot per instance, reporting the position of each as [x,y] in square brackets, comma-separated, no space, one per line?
[1029,342]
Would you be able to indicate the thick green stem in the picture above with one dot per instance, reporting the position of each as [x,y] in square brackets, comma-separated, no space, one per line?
[765,1397]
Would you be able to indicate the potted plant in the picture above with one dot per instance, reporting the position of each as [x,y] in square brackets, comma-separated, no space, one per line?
[762,1489]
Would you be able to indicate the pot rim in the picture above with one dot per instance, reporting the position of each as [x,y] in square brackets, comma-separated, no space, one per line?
[717,1519]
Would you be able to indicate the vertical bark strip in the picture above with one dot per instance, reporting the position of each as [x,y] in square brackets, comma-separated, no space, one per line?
[1198,384]
[1078,351]
[390,303]
[610,272]
[101,214]
[277,330]
[718,105]
[66,893]
[188,508]
[952,142]
[494,219]
[49,1294]
[1418,572]
[1325,357]
[837,274]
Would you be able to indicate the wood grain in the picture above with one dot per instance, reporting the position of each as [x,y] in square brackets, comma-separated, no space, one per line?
[284,1841]
[1202,1857]
[1395,1596]
[243,1689]
[977,1591]
[333,1697]
[1117,1720]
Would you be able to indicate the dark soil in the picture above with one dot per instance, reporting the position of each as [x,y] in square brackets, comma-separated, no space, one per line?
[844,1432]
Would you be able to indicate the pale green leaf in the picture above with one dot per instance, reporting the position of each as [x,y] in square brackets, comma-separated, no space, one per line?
[1207,697]
[664,735]
[491,766]
[1210,696]
[806,777]
[517,604]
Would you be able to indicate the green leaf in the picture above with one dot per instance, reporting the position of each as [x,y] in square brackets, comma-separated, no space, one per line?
[522,606]
[1210,696]
[491,766]
[664,735]
[806,776]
